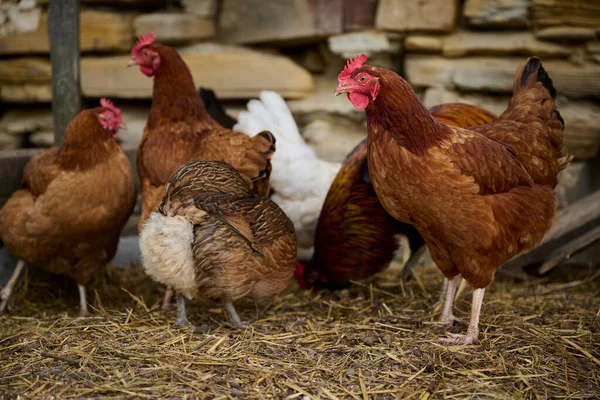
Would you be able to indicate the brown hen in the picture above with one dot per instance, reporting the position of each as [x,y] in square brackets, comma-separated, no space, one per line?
[179,129]
[478,196]
[74,201]
[214,239]
[355,237]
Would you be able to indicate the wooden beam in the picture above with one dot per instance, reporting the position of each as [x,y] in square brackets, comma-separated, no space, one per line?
[63,32]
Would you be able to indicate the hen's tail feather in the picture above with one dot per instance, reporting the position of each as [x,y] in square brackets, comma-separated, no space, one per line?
[264,147]
[265,144]
[271,113]
[215,108]
[532,72]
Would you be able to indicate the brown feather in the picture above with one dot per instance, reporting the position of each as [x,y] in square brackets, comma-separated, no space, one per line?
[180,130]
[355,236]
[244,245]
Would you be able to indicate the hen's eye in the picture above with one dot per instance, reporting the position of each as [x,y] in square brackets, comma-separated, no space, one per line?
[145,53]
[362,78]
[110,116]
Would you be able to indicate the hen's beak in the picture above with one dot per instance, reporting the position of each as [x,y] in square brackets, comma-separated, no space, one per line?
[341,89]
[123,126]
[132,62]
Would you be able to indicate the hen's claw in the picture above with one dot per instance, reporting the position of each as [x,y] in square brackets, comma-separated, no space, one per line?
[455,338]
[234,318]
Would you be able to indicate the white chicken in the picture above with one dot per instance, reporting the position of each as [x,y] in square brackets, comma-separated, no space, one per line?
[299,180]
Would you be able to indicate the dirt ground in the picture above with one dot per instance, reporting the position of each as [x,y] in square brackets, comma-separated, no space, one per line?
[375,340]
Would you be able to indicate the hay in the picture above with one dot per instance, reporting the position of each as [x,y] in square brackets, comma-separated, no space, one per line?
[539,339]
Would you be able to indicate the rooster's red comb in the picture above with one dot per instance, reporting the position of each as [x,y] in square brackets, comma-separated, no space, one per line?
[106,103]
[352,65]
[143,40]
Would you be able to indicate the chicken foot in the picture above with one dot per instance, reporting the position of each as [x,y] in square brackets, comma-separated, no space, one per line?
[83,307]
[232,315]
[166,305]
[447,316]
[473,330]
[181,314]
[7,290]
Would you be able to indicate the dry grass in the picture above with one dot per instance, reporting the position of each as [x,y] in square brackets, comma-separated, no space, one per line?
[540,339]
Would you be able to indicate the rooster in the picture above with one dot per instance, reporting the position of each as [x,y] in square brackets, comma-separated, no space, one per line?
[73,204]
[179,129]
[478,195]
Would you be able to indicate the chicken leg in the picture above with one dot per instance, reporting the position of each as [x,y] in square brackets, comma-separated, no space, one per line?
[6,291]
[412,262]
[181,314]
[83,307]
[442,295]
[234,318]
[166,305]
[473,330]
[447,316]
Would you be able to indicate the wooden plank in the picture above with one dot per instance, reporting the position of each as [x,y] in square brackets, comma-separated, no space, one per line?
[63,32]
[572,223]
[328,15]
[101,31]
[359,14]
[566,251]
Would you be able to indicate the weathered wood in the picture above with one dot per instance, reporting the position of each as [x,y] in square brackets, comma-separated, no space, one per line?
[12,163]
[63,32]
[566,251]
[100,31]
[359,14]
[572,223]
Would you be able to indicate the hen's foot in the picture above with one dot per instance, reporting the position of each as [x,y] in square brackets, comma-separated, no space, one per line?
[455,338]
[448,320]
[181,320]
[182,323]
[233,317]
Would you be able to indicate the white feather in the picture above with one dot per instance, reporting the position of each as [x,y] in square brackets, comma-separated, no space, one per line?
[300,179]
[166,249]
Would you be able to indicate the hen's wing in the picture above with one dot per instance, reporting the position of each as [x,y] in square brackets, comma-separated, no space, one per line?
[41,170]
[491,164]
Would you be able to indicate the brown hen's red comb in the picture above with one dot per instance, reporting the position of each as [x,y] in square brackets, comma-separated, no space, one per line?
[106,103]
[352,65]
[144,40]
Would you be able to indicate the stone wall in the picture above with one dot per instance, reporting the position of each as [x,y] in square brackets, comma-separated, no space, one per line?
[450,50]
